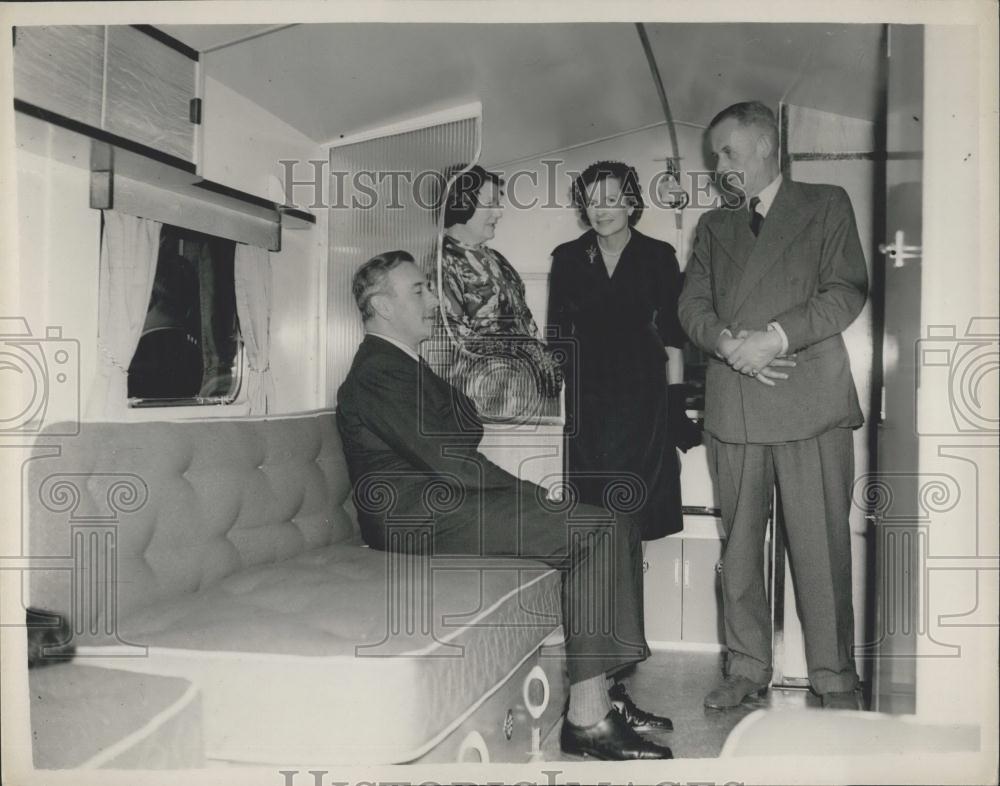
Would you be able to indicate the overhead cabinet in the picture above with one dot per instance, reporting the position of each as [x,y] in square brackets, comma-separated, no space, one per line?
[130,92]
[61,69]
[119,79]
[149,88]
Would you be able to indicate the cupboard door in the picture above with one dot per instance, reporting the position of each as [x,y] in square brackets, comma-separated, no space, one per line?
[61,68]
[702,618]
[149,90]
[662,590]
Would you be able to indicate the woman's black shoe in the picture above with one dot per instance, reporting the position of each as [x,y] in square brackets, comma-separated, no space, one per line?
[611,739]
[637,718]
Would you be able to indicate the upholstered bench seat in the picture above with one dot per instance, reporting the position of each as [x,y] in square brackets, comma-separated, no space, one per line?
[234,564]
[298,662]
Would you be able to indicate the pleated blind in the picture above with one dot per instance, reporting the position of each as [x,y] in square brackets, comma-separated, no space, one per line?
[383,196]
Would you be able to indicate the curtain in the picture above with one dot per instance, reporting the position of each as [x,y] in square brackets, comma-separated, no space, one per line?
[252,273]
[129,250]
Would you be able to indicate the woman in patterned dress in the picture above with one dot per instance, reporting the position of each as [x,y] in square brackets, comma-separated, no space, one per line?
[497,358]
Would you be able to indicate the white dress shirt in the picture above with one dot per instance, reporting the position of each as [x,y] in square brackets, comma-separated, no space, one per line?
[766,197]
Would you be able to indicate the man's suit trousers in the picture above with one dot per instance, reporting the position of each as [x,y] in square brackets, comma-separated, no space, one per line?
[600,558]
[814,478]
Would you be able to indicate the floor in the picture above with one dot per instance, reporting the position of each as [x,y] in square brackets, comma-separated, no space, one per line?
[674,683]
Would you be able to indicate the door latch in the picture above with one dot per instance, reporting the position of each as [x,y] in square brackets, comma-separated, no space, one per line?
[898,251]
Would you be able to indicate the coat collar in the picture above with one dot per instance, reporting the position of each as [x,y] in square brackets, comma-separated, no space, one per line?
[374,344]
[791,210]
[397,344]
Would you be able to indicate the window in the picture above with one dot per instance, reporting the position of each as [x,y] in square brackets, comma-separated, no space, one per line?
[190,351]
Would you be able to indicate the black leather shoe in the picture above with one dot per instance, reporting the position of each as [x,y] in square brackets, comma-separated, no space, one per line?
[611,739]
[638,719]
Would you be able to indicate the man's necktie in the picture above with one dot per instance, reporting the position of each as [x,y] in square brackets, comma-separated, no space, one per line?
[756,219]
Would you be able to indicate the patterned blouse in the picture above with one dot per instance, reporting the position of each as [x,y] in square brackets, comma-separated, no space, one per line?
[497,358]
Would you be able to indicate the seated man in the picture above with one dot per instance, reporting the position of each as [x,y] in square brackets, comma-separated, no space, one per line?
[401,422]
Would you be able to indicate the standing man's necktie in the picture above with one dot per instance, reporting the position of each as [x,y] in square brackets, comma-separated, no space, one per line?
[756,219]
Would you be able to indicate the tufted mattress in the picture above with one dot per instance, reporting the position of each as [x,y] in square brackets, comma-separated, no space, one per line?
[233,563]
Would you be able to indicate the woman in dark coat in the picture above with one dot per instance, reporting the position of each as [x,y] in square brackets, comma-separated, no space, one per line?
[613,292]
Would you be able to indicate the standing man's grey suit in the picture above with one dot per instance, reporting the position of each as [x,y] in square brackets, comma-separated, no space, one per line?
[750,300]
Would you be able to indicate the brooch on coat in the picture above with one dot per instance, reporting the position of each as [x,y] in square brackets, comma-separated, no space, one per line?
[592,254]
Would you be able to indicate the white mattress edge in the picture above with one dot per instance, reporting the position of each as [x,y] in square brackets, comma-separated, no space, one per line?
[129,740]
[438,738]
[115,650]
[238,754]
[108,654]
[495,605]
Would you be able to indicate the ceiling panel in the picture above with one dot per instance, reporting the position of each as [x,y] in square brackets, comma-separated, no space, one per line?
[543,87]
[204,37]
[709,66]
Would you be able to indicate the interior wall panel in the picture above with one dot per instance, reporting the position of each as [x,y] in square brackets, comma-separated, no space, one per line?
[816,131]
[381,199]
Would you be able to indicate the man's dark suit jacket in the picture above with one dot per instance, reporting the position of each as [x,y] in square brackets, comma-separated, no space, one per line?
[411,441]
[806,271]
[411,457]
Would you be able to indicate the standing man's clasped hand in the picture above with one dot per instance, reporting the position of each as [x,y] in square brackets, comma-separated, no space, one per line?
[755,353]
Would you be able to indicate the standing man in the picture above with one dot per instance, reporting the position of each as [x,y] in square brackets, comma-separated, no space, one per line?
[781,275]
[403,425]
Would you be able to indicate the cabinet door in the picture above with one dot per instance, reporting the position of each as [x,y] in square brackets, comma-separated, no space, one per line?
[662,571]
[149,90]
[61,68]
[702,618]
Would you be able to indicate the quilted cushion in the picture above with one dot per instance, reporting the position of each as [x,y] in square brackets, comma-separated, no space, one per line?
[235,564]
[321,658]
[183,504]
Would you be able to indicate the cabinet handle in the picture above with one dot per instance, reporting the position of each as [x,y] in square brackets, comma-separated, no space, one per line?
[687,573]
[677,571]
